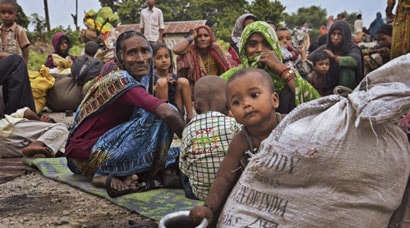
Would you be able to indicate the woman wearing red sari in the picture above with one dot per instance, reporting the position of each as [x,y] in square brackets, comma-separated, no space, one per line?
[199,55]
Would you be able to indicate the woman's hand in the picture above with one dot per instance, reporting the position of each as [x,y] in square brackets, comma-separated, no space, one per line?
[329,52]
[271,60]
[171,80]
[193,33]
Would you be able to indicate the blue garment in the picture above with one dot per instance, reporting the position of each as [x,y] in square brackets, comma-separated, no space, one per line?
[142,143]
[375,25]
[172,89]
[133,147]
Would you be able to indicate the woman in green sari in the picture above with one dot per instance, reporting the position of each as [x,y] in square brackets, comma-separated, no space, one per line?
[259,48]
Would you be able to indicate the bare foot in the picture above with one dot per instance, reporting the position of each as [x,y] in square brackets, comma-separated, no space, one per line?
[36,149]
[118,183]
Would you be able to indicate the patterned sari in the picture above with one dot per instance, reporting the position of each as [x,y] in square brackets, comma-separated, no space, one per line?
[138,145]
[189,64]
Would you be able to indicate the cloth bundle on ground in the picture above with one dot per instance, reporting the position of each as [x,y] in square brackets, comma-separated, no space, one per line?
[63,65]
[40,82]
[332,162]
[66,94]
[85,68]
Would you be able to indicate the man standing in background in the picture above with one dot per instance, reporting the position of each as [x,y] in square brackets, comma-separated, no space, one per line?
[152,23]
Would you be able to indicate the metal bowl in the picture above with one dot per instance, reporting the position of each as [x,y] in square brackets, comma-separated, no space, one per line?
[180,219]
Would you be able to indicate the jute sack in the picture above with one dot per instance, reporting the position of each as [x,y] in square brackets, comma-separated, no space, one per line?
[332,162]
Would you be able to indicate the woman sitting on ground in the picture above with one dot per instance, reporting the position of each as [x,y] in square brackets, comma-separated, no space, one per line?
[200,55]
[122,133]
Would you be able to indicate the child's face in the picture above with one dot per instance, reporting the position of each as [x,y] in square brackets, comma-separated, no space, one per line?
[322,66]
[63,46]
[285,38]
[251,100]
[162,60]
[8,14]
[383,40]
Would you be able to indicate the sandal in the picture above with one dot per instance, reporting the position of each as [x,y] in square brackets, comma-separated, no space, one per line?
[113,193]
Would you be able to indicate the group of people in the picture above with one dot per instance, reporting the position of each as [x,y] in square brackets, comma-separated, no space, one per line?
[124,126]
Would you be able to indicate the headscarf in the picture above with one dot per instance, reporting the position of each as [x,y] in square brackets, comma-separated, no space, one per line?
[191,59]
[119,56]
[57,40]
[111,87]
[238,29]
[376,24]
[303,90]
[349,49]
[232,54]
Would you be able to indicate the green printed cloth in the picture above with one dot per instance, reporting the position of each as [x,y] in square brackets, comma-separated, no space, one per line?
[153,204]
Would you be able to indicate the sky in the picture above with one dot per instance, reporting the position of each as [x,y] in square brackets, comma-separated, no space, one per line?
[60,10]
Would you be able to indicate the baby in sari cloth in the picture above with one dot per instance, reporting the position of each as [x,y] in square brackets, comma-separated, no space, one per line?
[259,47]
[122,133]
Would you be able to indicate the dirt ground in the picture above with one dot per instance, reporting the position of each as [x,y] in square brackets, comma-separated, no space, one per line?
[33,200]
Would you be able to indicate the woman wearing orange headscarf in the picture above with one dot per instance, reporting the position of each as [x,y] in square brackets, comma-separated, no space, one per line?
[199,55]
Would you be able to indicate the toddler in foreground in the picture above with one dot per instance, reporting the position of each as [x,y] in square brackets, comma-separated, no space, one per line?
[252,102]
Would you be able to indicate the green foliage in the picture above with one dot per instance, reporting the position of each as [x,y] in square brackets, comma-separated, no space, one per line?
[22,19]
[314,16]
[267,10]
[36,59]
[40,26]
[129,12]
[174,10]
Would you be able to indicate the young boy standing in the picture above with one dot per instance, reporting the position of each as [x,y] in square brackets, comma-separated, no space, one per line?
[13,36]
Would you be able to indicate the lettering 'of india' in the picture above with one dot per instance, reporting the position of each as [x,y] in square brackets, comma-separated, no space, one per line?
[260,200]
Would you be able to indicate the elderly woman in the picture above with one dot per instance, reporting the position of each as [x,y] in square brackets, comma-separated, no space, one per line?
[200,55]
[259,47]
[122,133]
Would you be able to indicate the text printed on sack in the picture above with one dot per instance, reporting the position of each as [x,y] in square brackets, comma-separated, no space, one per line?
[279,162]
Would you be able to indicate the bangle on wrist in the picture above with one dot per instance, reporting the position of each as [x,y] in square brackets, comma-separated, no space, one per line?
[283,71]
[190,39]
[290,75]
[208,206]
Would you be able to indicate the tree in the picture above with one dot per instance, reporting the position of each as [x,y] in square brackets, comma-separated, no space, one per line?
[40,26]
[225,23]
[22,18]
[314,16]
[129,12]
[175,10]
[114,4]
[267,10]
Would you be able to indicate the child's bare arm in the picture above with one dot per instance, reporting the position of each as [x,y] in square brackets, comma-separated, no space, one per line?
[25,53]
[31,115]
[228,174]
